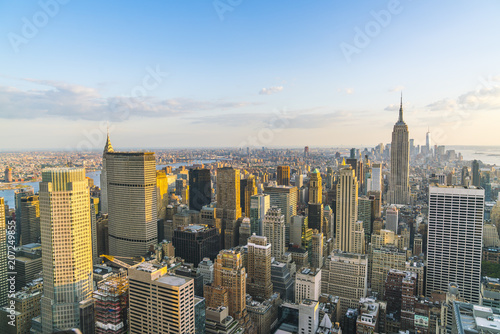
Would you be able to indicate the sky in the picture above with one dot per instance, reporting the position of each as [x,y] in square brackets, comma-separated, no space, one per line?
[239,73]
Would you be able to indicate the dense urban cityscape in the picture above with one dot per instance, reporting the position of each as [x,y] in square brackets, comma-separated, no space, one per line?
[249,167]
[396,238]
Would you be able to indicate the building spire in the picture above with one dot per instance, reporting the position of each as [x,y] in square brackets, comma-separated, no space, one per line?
[401,110]
[108,147]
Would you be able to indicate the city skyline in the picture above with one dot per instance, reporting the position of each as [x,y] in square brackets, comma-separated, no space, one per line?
[209,75]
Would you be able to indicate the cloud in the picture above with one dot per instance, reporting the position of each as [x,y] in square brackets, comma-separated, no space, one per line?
[311,118]
[271,90]
[396,89]
[77,102]
[392,107]
[445,104]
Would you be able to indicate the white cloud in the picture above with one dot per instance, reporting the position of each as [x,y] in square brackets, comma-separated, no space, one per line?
[271,90]
[77,102]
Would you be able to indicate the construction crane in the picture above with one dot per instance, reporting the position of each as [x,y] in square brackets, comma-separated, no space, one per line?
[114,259]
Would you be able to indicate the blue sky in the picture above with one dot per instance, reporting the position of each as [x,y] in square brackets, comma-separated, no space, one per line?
[246,73]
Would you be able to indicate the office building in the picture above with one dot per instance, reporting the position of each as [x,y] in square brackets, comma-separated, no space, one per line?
[476,174]
[206,269]
[296,229]
[264,315]
[259,204]
[28,264]
[399,181]
[24,305]
[132,207]
[111,308]
[316,250]
[228,204]
[345,275]
[245,231]
[30,220]
[347,210]
[19,194]
[218,321]
[108,148]
[391,219]
[195,242]
[159,301]
[307,284]
[66,249]
[274,229]
[248,188]
[376,178]
[285,198]
[473,318]
[365,214]
[283,175]
[383,260]
[455,236]
[283,282]
[308,316]
[259,284]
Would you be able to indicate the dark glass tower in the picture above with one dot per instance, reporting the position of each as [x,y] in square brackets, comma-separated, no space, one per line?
[200,188]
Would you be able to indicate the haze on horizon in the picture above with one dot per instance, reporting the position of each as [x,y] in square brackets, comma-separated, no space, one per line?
[254,73]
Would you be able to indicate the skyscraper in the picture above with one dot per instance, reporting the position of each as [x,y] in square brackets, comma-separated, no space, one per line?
[283,175]
[228,203]
[376,184]
[285,198]
[66,249]
[259,204]
[347,210]
[476,174]
[19,194]
[455,235]
[428,143]
[30,220]
[399,182]
[108,148]
[274,229]
[248,188]
[193,243]
[315,207]
[131,187]
[200,188]
[160,302]
[259,268]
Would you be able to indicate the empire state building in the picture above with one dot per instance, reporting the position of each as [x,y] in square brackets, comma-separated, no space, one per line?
[399,182]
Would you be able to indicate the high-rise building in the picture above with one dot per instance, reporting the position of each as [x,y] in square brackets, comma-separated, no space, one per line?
[285,198]
[193,243]
[229,286]
[347,210]
[19,194]
[200,188]
[228,203]
[376,183]
[365,214]
[274,229]
[259,282]
[308,316]
[108,148]
[455,235]
[283,175]
[111,309]
[316,250]
[345,275]
[428,143]
[248,188]
[399,182]
[391,219]
[384,259]
[66,249]
[8,174]
[132,207]
[206,269]
[30,220]
[282,281]
[28,264]
[160,302]
[400,295]
[307,284]
[259,204]
[315,207]
[476,174]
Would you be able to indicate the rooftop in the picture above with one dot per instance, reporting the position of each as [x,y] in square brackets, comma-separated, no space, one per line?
[173,280]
